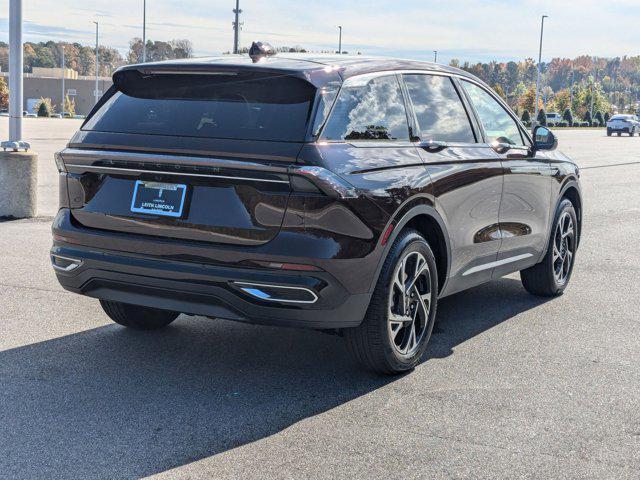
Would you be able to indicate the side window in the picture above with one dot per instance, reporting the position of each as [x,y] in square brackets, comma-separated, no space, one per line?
[368,109]
[498,124]
[439,110]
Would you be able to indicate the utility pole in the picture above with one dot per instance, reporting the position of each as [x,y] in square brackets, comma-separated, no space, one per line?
[535,118]
[340,40]
[236,28]
[435,56]
[15,70]
[62,96]
[144,31]
[97,93]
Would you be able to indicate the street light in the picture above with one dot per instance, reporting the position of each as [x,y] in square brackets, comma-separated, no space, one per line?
[535,118]
[340,40]
[62,96]
[144,31]
[15,70]
[96,93]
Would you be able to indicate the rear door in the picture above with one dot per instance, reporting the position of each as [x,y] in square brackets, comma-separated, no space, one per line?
[192,156]
[526,198]
[466,176]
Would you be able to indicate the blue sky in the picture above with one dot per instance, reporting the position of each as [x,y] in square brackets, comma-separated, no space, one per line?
[463,29]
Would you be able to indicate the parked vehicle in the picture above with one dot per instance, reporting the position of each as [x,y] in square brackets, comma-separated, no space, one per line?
[620,124]
[328,192]
[553,119]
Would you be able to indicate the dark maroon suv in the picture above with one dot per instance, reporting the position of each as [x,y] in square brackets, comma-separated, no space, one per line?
[327,192]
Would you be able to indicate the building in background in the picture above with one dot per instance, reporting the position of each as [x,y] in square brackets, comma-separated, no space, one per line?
[46,83]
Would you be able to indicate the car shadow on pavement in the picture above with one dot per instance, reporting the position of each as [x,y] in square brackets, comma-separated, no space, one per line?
[114,403]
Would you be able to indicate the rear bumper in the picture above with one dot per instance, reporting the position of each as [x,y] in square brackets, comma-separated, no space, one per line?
[320,300]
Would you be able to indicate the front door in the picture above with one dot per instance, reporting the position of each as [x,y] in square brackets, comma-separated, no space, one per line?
[526,197]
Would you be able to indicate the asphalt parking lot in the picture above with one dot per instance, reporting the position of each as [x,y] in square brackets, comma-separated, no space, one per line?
[513,386]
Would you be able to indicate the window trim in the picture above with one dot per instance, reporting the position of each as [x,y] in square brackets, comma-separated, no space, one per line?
[456,78]
[470,117]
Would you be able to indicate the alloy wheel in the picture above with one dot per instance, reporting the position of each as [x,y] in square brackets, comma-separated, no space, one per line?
[409,303]
[564,247]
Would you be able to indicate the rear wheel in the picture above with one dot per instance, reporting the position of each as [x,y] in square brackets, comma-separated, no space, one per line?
[137,317]
[394,334]
[551,276]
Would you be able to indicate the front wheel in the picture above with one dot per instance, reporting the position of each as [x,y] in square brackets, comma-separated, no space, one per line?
[609,132]
[396,329]
[137,317]
[551,276]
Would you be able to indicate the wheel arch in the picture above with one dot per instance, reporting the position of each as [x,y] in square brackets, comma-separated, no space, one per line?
[571,191]
[428,222]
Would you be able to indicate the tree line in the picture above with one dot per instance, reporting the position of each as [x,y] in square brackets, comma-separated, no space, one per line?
[82,58]
[584,86]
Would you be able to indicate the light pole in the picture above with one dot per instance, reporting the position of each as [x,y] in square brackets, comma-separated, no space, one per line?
[96,93]
[144,31]
[340,40]
[435,56]
[593,86]
[62,96]
[535,118]
[15,70]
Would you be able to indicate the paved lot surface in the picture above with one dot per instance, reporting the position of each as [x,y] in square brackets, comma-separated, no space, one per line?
[513,386]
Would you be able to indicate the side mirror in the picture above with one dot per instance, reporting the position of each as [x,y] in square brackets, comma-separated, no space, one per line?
[544,139]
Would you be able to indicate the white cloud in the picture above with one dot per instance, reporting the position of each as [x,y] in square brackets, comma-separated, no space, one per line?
[465,29]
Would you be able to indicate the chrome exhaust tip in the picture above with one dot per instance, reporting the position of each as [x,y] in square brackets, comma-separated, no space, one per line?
[64,264]
[278,293]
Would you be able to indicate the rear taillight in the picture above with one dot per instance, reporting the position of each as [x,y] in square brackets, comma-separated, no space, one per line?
[59,162]
[307,179]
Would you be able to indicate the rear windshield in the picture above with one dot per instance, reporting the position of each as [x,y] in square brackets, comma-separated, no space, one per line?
[231,105]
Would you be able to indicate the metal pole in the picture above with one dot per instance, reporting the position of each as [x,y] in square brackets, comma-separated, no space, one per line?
[535,118]
[144,31]
[592,89]
[97,64]
[62,97]
[15,70]
[340,40]
[435,56]
[236,28]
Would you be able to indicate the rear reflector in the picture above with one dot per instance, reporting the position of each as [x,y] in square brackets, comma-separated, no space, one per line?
[386,235]
[290,266]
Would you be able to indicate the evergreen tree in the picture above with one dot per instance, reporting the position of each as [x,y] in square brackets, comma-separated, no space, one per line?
[542,117]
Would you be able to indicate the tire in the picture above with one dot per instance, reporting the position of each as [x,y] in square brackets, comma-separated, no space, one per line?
[609,132]
[550,277]
[137,317]
[380,344]
[631,133]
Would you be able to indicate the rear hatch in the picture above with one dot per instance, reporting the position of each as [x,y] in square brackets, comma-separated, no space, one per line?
[194,156]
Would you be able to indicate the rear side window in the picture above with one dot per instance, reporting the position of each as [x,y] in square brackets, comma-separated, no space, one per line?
[439,110]
[368,108]
[498,124]
[234,106]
